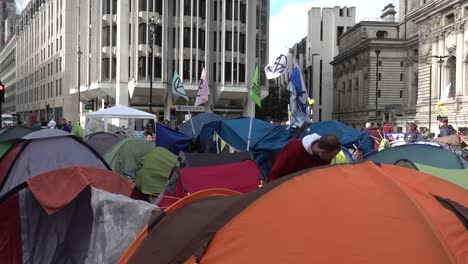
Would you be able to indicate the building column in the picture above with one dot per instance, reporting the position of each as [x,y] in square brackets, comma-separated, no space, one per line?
[122,54]
[409,85]
[460,62]
[435,69]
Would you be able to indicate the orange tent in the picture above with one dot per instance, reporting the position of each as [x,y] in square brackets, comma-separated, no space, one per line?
[355,213]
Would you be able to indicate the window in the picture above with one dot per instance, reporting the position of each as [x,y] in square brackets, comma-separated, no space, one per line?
[227,72]
[241,72]
[242,43]
[186,37]
[401,77]
[228,9]
[106,36]
[379,93]
[380,76]
[56,88]
[158,6]
[105,68]
[236,11]
[449,19]
[381,34]
[201,39]
[228,40]
[320,82]
[341,12]
[60,86]
[236,44]
[402,64]
[202,7]
[114,7]
[157,67]
[380,63]
[187,7]
[106,7]
[143,6]
[114,67]
[320,115]
[401,94]
[150,6]
[214,73]
[142,67]
[339,32]
[215,40]
[215,10]
[114,36]
[142,38]
[186,70]
[243,11]
[158,35]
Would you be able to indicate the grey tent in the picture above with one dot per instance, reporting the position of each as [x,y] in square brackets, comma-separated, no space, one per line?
[74,215]
[191,160]
[43,151]
[102,141]
[9,133]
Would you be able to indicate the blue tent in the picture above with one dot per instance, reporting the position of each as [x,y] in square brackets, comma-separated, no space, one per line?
[348,136]
[171,140]
[265,137]
[199,121]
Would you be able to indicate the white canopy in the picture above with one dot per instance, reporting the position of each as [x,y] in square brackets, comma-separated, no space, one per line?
[120,112]
[123,112]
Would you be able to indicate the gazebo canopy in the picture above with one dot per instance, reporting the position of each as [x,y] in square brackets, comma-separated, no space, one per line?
[123,112]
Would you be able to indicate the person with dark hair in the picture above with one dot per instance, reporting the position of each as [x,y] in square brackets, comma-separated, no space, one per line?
[445,128]
[309,152]
[412,134]
[63,125]
[44,124]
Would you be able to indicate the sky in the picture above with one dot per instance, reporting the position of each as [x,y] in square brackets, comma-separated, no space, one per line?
[288,18]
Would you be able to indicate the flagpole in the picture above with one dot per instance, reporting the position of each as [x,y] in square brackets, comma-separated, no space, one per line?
[250,126]
[191,121]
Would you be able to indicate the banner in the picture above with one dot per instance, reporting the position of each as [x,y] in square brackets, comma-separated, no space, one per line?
[255,90]
[178,87]
[299,99]
[203,90]
[278,67]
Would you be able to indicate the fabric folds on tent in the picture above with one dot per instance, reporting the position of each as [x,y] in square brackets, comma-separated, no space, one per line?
[423,154]
[90,218]
[125,157]
[171,140]
[341,214]
[349,137]
[199,121]
[123,112]
[42,151]
[192,160]
[9,133]
[101,141]
[7,145]
[155,170]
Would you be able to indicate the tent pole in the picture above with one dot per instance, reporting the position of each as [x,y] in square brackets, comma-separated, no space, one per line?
[250,126]
[191,121]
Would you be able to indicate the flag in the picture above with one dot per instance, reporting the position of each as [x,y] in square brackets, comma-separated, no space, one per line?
[255,90]
[178,87]
[278,67]
[299,99]
[203,90]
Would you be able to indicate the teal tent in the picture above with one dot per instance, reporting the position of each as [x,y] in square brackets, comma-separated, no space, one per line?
[423,154]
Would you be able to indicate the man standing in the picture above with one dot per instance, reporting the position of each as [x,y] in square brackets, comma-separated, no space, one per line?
[445,128]
[312,151]
[64,126]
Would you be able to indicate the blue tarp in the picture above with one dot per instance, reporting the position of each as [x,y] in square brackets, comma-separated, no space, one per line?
[171,140]
[199,121]
[348,136]
[265,137]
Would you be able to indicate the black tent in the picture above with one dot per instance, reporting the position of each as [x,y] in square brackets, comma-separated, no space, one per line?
[9,133]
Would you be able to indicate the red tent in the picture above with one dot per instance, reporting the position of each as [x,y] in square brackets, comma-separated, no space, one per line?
[69,216]
[242,177]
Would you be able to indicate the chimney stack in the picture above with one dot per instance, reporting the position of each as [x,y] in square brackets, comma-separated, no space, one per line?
[388,13]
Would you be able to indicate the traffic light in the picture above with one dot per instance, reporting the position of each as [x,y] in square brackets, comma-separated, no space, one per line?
[2,93]
[90,105]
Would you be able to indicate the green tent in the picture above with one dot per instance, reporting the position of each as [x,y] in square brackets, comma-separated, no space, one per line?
[421,154]
[7,145]
[155,170]
[125,157]
[458,177]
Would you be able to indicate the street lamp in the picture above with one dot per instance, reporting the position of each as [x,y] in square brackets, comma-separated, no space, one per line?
[79,53]
[440,60]
[377,52]
[152,29]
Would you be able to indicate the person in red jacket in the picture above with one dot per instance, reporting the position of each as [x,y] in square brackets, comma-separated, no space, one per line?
[312,151]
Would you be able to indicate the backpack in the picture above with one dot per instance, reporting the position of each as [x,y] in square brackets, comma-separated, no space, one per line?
[452,130]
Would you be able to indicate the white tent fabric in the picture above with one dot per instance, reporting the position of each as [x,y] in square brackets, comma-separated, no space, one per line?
[120,112]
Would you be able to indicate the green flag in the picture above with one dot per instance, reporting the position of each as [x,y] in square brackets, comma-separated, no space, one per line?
[178,87]
[255,90]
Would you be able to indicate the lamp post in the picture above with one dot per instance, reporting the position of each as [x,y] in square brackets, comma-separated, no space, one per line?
[377,52]
[152,29]
[440,60]
[79,53]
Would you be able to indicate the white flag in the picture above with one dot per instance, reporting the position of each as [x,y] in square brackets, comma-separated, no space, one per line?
[445,93]
[278,67]
[203,90]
